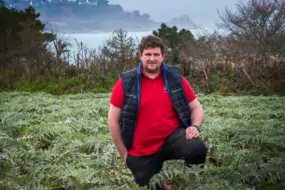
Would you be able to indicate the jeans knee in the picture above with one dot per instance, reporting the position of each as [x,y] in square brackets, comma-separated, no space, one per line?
[141,179]
[203,148]
[198,156]
[200,148]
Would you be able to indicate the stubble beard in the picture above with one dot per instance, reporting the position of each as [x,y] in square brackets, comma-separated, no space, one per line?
[152,71]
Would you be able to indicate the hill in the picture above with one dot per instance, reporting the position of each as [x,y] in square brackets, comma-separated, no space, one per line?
[93,16]
[182,21]
[86,16]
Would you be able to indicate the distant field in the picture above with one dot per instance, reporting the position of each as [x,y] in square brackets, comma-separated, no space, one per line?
[63,142]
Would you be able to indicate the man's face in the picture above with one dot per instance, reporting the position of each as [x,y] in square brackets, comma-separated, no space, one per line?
[151,59]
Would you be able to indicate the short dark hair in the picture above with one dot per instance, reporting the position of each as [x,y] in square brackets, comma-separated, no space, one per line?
[152,41]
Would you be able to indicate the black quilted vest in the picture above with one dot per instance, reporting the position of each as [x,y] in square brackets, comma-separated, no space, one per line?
[132,88]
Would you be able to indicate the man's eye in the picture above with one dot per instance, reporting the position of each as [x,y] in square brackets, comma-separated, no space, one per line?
[148,54]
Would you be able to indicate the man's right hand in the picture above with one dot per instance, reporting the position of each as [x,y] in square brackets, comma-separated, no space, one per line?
[125,159]
[115,130]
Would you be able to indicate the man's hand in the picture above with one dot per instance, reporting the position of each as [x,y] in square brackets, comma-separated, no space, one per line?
[192,133]
[125,159]
[115,129]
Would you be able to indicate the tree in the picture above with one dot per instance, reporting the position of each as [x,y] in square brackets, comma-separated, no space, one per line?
[120,53]
[173,39]
[15,25]
[172,36]
[102,2]
[145,16]
[259,27]
[22,37]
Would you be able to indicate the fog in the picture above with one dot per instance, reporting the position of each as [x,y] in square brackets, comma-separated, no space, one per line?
[201,12]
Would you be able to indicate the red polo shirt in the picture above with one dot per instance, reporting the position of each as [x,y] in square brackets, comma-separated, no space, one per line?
[156,117]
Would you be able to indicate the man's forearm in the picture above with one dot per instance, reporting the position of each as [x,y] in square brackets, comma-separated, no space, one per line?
[117,139]
[197,116]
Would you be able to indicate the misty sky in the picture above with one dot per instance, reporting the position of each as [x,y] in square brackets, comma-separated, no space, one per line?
[201,12]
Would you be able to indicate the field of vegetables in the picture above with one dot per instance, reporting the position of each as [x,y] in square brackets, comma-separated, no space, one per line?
[62,142]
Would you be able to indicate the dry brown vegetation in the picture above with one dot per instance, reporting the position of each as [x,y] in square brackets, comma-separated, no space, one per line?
[247,59]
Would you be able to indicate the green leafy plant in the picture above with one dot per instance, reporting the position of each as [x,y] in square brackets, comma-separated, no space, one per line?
[63,142]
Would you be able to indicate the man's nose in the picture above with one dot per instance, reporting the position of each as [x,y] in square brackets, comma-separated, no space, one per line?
[152,57]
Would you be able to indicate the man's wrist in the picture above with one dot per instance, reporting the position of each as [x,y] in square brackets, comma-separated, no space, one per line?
[196,126]
[125,156]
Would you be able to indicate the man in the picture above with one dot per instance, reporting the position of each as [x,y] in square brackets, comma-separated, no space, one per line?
[154,115]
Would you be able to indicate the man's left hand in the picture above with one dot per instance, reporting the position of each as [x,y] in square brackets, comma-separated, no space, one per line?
[192,133]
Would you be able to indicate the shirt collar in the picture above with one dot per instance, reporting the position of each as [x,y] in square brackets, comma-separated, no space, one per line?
[160,71]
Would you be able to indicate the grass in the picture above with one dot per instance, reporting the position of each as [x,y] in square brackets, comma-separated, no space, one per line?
[63,142]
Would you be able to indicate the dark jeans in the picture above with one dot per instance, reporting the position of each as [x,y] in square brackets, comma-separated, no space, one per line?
[176,146]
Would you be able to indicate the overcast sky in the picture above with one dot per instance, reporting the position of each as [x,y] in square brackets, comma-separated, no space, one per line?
[201,12]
